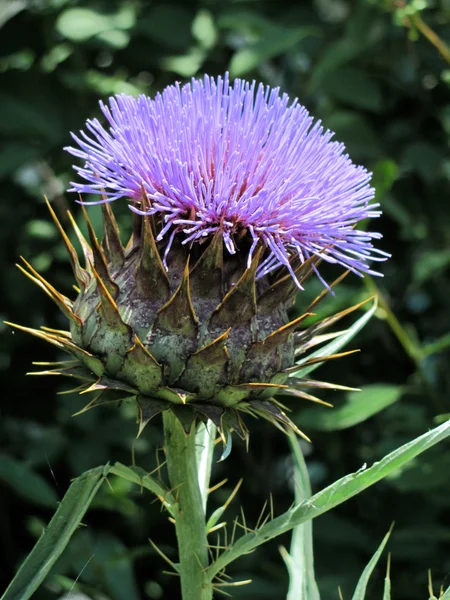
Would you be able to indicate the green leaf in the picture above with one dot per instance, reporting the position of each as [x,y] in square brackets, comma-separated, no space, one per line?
[300,560]
[338,492]
[336,344]
[168,25]
[387,581]
[358,407]
[384,175]
[57,535]
[446,595]
[354,87]
[362,32]
[81,24]
[360,591]
[425,159]
[429,264]
[143,479]
[102,557]
[204,29]
[275,42]
[357,133]
[26,483]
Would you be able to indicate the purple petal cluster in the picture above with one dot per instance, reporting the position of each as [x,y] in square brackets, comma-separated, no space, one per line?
[238,157]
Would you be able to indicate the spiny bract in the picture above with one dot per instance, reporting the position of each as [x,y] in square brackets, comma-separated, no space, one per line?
[205,338]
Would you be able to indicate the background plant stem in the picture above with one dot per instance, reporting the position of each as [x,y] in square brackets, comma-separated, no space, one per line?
[190,521]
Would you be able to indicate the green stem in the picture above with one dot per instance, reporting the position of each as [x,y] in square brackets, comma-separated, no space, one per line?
[204,442]
[190,521]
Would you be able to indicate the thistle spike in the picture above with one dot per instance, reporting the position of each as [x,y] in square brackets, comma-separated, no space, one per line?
[136,231]
[147,409]
[300,383]
[62,332]
[105,383]
[75,372]
[304,336]
[111,243]
[326,291]
[267,357]
[99,258]
[319,359]
[174,334]
[285,288]
[280,336]
[304,395]
[111,334]
[102,399]
[206,276]
[239,303]
[86,249]
[86,358]
[186,416]
[63,303]
[273,413]
[150,275]
[81,275]
[206,368]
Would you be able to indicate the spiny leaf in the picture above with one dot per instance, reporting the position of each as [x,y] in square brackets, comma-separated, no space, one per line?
[331,496]
[360,591]
[186,416]
[358,407]
[56,535]
[300,558]
[106,397]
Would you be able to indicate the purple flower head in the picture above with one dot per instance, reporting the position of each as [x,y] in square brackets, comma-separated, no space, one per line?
[235,158]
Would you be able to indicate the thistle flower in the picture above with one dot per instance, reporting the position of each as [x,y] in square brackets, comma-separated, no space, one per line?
[236,159]
[236,198]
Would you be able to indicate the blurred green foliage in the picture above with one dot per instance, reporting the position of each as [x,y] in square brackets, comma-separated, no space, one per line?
[373,72]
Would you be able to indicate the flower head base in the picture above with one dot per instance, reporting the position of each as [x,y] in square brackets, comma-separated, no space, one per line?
[210,156]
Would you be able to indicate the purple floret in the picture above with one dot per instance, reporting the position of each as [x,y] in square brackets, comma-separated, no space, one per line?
[214,156]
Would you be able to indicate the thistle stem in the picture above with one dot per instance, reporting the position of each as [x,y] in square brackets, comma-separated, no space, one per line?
[190,523]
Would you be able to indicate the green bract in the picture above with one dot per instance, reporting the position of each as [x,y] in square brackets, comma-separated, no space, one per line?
[204,338]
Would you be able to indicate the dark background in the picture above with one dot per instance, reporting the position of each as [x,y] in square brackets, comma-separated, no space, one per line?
[365,69]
